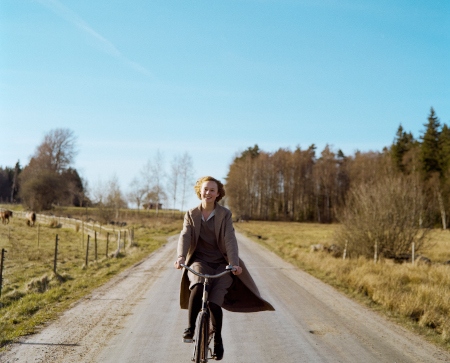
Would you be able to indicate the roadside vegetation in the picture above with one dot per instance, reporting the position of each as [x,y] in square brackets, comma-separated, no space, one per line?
[33,293]
[375,207]
[418,296]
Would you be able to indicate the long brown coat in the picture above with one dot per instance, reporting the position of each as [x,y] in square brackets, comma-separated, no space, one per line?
[243,295]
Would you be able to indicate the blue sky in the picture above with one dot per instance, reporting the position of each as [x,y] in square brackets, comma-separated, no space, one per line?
[212,78]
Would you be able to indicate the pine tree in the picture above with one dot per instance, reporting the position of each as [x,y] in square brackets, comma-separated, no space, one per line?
[430,151]
[402,144]
[444,141]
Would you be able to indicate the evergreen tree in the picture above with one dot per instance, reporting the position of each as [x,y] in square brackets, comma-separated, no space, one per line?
[444,141]
[402,144]
[341,155]
[15,182]
[253,152]
[430,151]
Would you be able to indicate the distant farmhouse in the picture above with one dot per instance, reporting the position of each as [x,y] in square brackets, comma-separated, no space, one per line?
[151,205]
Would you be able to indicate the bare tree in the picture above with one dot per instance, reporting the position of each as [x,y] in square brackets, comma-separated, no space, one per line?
[241,183]
[384,214]
[57,151]
[186,170]
[115,196]
[325,174]
[175,179]
[136,193]
[108,199]
[153,175]
[98,195]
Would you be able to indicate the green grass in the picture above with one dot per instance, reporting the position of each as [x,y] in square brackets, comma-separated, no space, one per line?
[33,294]
[416,296]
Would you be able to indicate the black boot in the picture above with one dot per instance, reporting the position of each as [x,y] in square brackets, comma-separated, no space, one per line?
[216,319]
[195,304]
[218,348]
[188,335]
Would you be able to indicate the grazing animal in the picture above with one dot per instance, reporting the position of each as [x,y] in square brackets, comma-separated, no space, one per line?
[31,218]
[5,215]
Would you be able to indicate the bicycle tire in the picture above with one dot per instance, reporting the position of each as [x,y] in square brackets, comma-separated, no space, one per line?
[201,338]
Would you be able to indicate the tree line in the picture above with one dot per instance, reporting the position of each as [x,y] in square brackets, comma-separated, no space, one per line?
[405,184]
[392,214]
[50,180]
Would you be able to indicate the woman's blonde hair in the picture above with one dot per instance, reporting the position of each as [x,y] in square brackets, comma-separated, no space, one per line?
[200,181]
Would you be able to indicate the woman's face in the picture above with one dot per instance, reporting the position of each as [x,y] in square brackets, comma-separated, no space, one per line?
[209,192]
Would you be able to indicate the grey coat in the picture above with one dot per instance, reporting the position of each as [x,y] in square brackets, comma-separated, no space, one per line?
[243,295]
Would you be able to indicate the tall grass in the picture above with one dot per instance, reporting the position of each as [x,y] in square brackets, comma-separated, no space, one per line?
[416,295]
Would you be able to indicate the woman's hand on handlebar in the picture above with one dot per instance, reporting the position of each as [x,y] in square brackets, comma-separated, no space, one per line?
[180,260]
[237,270]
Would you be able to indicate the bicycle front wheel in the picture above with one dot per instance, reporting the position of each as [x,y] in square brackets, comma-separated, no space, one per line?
[201,338]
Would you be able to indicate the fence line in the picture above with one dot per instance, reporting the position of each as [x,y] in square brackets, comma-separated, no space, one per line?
[89,227]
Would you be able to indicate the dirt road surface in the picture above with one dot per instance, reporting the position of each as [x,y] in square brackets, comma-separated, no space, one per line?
[136,318]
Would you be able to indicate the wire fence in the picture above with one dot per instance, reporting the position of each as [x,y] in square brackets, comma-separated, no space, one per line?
[85,244]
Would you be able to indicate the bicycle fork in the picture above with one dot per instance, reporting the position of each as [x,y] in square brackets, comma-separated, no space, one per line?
[203,332]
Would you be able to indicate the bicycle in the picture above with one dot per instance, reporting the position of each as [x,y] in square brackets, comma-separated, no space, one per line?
[203,328]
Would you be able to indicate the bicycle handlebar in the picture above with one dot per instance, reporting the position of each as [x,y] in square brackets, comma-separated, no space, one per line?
[229,268]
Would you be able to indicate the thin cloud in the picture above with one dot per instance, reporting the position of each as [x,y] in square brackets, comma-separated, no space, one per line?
[108,47]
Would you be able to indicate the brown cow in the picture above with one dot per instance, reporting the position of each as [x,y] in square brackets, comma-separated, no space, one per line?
[5,215]
[31,218]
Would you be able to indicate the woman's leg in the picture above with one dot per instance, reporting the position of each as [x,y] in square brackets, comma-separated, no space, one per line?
[217,318]
[195,304]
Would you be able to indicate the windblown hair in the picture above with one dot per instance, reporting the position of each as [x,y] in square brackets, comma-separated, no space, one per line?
[200,181]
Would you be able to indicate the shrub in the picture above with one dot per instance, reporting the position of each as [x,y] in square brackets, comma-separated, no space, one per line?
[386,213]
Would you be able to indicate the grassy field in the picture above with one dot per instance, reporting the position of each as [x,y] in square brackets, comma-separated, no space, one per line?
[32,293]
[416,296]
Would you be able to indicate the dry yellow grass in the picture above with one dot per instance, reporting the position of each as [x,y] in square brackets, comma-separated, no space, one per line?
[32,293]
[417,295]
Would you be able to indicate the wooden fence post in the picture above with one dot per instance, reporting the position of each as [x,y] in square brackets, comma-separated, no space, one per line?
[375,257]
[1,270]
[82,234]
[116,254]
[95,245]
[345,250]
[39,233]
[107,243]
[87,251]
[56,254]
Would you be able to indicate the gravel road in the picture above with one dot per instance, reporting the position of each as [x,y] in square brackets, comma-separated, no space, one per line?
[136,318]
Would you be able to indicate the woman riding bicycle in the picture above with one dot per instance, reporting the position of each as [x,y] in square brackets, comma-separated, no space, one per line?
[208,244]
